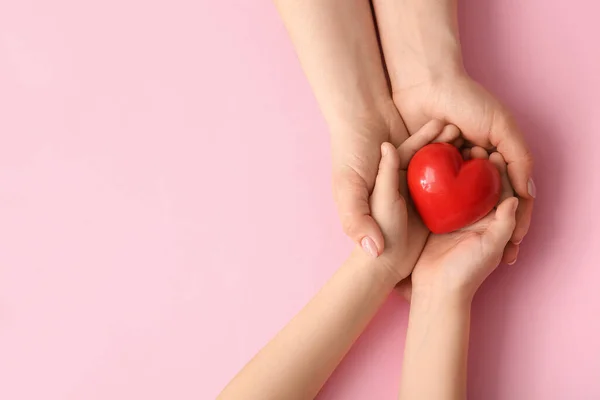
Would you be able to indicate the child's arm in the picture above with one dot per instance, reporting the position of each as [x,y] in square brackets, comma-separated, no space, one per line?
[298,361]
[444,281]
[435,356]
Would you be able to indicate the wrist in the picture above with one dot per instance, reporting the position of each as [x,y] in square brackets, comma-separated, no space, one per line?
[423,45]
[440,297]
[378,119]
[379,268]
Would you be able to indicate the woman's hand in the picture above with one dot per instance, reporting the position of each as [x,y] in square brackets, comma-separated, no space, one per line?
[454,265]
[356,150]
[337,45]
[423,57]
[483,121]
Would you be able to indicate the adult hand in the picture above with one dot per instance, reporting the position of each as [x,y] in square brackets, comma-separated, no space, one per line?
[423,57]
[483,121]
[355,158]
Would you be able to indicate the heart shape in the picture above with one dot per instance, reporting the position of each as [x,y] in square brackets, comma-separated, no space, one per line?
[448,192]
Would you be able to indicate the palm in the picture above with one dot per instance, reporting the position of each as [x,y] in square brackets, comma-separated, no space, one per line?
[482,120]
[459,101]
[464,258]
[466,248]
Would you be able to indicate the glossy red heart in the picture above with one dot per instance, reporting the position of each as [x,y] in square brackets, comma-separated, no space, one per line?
[448,192]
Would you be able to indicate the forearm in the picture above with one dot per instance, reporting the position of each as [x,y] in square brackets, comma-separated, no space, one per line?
[298,361]
[420,39]
[337,46]
[435,357]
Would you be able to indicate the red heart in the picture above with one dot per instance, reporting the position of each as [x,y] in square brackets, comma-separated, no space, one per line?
[450,193]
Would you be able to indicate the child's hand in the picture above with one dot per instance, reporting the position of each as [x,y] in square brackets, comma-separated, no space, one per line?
[457,263]
[402,229]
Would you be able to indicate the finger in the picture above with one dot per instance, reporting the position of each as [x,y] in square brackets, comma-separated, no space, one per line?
[421,138]
[511,251]
[509,141]
[507,190]
[501,228]
[352,198]
[449,134]
[523,220]
[479,152]
[387,183]
[458,143]
[525,206]
[405,288]
[466,154]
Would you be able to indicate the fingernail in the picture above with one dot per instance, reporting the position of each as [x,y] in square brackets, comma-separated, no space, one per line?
[518,242]
[368,245]
[531,188]
[512,262]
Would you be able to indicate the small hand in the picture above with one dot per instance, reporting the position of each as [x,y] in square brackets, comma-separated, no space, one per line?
[482,120]
[403,231]
[356,151]
[457,263]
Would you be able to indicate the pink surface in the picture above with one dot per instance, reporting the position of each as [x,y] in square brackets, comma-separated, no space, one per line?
[165,201]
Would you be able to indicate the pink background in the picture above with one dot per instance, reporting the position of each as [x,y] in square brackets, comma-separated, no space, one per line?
[165,201]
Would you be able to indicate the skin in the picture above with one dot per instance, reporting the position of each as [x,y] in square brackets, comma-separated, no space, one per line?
[450,270]
[336,41]
[299,360]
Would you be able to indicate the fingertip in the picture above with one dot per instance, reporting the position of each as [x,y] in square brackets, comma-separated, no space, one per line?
[449,133]
[513,203]
[479,152]
[365,232]
[520,174]
[369,246]
[511,252]
[388,154]
[523,218]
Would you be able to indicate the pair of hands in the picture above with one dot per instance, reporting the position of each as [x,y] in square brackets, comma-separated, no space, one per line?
[457,100]
[455,263]
[484,124]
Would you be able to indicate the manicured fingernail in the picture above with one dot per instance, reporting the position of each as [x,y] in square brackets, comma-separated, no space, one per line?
[512,262]
[531,188]
[368,245]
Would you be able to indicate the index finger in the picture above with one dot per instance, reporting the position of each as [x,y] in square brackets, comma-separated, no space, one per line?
[430,131]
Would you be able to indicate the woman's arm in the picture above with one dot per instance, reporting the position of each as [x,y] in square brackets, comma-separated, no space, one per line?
[298,361]
[435,357]
[337,45]
[420,40]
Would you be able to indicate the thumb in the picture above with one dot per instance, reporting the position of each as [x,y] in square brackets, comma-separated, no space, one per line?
[387,183]
[352,198]
[501,228]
